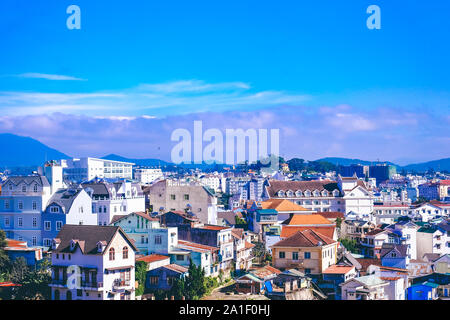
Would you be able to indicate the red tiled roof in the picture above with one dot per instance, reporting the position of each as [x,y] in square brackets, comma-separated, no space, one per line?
[248,245]
[306,238]
[196,245]
[336,269]
[152,258]
[265,271]
[176,268]
[213,227]
[390,278]
[332,214]
[287,231]
[16,243]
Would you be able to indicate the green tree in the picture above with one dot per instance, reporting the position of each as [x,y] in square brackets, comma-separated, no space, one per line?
[5,262]
[178,289]
[140,276]
[350,245]
[195,282]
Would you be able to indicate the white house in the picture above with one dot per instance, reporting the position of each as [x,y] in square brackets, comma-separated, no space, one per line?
[92,263]
[83,169]
[111,199]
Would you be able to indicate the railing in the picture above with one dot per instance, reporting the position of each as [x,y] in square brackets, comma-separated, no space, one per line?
[118,283]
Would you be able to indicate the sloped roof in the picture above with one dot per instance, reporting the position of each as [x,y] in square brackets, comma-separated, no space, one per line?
[28,180]
[153,258]
[306,238]
[277,185]
[307,219]
[138,213]
[400,249]
[64,198]
[176,267]
[288,231]
[87,237]
[338,269]
[282,205]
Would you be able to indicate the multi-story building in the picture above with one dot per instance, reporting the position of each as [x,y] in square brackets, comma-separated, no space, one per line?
[92,263]
[370,287]
[201,201]
[429,191]
[66,206]
[110,199]
[308,251]
[22,201]
[345,195]
[382,172]
[147,175]
[137,225]
[85,169]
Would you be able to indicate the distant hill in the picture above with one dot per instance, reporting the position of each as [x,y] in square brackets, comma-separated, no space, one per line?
[139,162]
[437,165]
[347,161]
[19,151]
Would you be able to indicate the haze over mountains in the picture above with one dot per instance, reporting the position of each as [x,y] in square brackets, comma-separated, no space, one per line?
[18,151]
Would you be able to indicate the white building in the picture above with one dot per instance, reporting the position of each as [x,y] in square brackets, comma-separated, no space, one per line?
[92,263]
[118,198]
[83,169]
[22,201]
[147,175]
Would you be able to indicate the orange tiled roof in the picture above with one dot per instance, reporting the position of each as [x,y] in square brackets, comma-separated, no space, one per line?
[153,258]
[307,219]
[306,238]
[213,227]
[282,205]
[287,231]
[336,269]
[248,245]
[196,245]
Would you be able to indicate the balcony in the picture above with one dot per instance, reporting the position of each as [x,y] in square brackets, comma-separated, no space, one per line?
[119,285]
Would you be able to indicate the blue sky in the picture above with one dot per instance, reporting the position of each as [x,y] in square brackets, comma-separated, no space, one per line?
[381,94]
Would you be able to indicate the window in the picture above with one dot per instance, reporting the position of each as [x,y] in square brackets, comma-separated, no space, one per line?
[180,257]
[34,206]
[24,188]
[34,222]
[172,197]
[54,209]
[307,255]
[20,222]
[58,225]
[294,255]
[20,205]
[6,204]
[158,239]
[186,197]
[34,241]
[154,280]
[112,254]
[35,188]
[47,225]
[47,243]
[307,270]
[282,255]
[125,252]
[6,222]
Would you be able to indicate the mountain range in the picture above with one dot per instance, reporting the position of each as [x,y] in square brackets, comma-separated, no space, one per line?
[19,151]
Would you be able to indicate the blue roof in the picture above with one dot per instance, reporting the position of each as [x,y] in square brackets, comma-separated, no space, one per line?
[267,211]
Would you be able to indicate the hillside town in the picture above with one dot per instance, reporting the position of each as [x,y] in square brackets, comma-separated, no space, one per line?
[98,229]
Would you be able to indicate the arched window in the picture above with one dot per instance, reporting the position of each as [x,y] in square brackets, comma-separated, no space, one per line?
[57,295]
[69,295]
[125,252]
[100,209]
[298,193]
[112,254]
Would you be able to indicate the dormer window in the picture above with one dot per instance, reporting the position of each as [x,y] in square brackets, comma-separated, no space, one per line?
[316,193]
[35,188]
[24,188]
[72,244]
[281,193]
[290,193]
[99,247]
[335,193]
[325,193]
[307,193]
[298,193]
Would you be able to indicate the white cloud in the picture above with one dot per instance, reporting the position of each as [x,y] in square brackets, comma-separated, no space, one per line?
[57,77]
